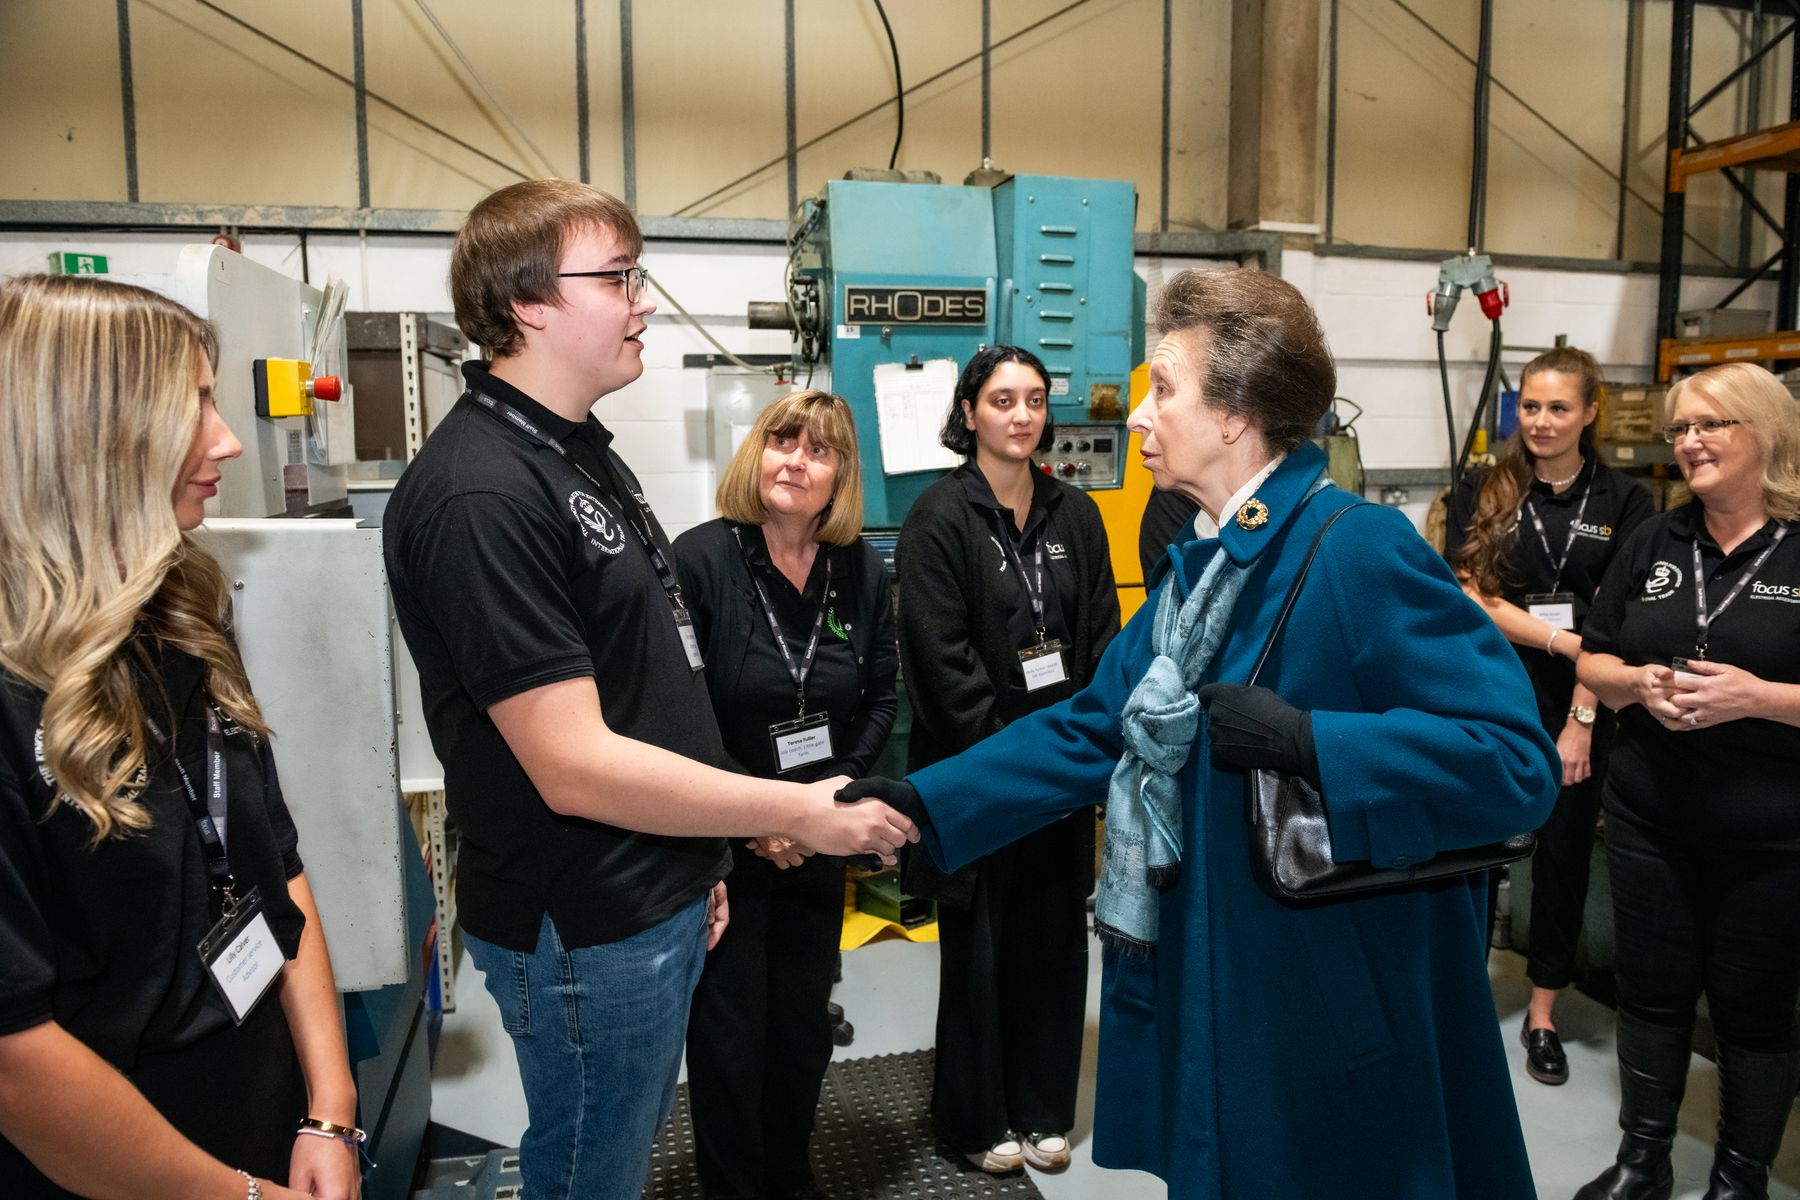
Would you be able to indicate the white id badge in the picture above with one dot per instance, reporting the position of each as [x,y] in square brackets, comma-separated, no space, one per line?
[1555,609]
[1043,665]
[242,956]
[1684,676]
[690,641]
[800,741]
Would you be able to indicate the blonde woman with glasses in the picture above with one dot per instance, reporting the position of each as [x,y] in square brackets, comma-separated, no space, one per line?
[1694,638]
[168,1022]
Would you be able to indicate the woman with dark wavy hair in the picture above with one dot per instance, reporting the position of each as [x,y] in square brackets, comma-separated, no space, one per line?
[1530,540]
[144,844]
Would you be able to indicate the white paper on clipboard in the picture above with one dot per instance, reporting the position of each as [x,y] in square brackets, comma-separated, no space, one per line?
[909,409]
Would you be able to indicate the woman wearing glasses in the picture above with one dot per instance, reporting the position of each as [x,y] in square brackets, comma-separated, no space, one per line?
[1530,540]
[1695,639]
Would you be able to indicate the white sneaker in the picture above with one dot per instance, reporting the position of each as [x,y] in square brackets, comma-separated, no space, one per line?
[1007,1154]
[1046,1151]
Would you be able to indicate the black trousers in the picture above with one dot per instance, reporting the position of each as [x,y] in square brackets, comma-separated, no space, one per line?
[1012,994]
[759,1038]
[1692,917]
[1559,883]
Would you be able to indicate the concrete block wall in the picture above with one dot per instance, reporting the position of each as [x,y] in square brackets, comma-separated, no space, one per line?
[1372,309]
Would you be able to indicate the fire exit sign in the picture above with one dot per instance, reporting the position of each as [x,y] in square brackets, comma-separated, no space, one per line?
[73,262]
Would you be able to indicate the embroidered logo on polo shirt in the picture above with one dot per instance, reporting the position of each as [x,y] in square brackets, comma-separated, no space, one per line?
[1663,581]
[1787,593]
[602,529]
[1056,550]
[1599,532]
[139,781]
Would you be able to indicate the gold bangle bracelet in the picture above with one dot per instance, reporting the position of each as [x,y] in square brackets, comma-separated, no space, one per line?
[345,1133]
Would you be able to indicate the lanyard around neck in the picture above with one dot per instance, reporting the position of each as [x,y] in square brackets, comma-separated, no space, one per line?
[218,866]
[1569,545]
[1702,619]
[637,509]
[1033,585]
[798,672]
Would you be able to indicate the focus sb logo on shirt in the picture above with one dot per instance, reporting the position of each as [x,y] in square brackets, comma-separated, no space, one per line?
[1787,593]
[1663,581]
[598,525]
[1600,533]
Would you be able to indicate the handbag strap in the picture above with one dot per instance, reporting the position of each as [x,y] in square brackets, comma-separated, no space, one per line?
[1287,605]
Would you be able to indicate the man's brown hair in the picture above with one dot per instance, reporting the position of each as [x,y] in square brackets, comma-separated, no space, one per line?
[508,250]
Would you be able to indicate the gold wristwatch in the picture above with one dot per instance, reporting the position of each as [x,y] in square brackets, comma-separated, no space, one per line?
[1582,713]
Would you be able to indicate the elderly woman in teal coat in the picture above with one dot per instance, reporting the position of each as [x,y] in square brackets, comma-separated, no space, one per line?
[1249,1047]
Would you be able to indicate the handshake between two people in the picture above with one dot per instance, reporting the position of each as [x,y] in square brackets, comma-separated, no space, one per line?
[848,819]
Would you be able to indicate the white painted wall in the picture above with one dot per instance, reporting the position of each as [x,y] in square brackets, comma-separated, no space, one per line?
[1373,311]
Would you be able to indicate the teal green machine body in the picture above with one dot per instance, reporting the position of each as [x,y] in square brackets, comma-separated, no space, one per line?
[912,272]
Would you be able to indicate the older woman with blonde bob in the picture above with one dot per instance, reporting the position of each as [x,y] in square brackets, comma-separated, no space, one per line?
[794,613]
[139,807]
[1695,640]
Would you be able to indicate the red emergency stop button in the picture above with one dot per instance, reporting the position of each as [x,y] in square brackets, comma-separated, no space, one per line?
[326,387]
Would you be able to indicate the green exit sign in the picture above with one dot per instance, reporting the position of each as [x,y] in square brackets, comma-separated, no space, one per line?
[71,262]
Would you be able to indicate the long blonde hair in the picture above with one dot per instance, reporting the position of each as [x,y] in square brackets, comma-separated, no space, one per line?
[98,407]
[1771,417]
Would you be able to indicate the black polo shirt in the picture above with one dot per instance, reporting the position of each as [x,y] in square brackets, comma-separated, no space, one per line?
[510,571]
[102,938]
[1732,782]
[1060,591]
[1616,504]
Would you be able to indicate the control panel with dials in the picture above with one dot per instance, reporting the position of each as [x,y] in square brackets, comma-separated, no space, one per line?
[1087,456]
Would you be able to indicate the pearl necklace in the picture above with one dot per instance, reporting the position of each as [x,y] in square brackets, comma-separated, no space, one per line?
[1563,483]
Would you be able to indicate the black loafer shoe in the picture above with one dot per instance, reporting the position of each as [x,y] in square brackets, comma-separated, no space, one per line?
[1544,1058]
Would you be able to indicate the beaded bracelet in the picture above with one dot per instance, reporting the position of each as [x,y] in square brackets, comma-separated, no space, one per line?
[254,1189]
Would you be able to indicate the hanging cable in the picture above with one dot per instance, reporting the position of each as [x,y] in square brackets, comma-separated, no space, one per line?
[1484,71]
[469,67]
[1460,463]
[899,89]
[704,332]
[1449,415]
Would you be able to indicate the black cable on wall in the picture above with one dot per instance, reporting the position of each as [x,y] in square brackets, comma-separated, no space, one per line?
[899,89]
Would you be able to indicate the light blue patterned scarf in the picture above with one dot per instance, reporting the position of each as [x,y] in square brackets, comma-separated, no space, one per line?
[1161,720]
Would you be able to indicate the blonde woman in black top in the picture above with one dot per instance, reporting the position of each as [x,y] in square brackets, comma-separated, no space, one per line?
[139,807]
[795,618]
[1530,540]
[1695,639]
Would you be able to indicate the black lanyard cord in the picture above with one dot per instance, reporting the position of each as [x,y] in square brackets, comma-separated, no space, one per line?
[1702,619]
[218,866]
[1034,591]
[637,509]
[798,672]
[1569,545]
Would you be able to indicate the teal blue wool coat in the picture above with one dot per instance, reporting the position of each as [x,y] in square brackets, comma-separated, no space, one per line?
[1269,1051]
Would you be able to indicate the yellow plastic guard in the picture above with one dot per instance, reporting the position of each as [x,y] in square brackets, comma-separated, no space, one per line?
[281,387]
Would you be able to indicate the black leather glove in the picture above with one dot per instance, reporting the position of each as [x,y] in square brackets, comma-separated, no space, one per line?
[1253,727]
[897,794]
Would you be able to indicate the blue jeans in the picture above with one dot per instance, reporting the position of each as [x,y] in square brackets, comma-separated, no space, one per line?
[598,1033]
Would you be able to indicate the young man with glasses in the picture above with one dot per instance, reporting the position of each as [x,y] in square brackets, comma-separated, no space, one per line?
[564,693]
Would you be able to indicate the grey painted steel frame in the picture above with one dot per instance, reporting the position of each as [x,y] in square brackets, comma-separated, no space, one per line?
[128,100]
[362,107]
[627,104]
[581,86]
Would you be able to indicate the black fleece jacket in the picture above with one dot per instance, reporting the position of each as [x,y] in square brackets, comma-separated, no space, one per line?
[959,612]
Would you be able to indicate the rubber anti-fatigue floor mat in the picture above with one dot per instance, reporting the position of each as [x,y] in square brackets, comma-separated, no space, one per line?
[872,1141]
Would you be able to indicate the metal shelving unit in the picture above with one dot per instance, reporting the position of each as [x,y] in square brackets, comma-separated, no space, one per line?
[1773,149]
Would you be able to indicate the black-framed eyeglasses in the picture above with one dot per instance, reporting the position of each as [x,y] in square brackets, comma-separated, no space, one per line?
[1711,427]
[633,278]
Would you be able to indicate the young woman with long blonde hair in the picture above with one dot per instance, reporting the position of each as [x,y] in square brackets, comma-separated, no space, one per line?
[168,1021]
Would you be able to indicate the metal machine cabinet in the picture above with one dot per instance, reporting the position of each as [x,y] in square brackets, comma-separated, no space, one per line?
[310,607]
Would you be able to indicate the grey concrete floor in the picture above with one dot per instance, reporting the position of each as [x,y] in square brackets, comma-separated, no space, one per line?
[890,994]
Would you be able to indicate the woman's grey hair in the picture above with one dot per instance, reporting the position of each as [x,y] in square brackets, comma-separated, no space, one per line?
[1264,357]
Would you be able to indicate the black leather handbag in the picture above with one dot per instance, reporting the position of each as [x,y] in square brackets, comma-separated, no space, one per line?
[1290,838]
